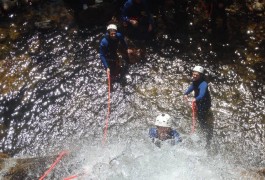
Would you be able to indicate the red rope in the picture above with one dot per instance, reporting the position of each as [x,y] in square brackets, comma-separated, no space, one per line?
[74,176]
[53,165]
[71,177]
[108,115]
[194,109]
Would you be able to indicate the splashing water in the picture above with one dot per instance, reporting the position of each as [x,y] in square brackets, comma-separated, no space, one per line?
[137,158]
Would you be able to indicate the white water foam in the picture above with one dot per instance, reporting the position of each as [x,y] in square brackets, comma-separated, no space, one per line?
[140,159]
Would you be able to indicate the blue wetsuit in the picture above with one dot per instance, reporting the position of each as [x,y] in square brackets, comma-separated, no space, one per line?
[203,98]
[132,10]
[108,48]
[174,135]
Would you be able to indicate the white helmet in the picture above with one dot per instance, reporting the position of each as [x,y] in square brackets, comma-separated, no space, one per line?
[198,69]
[112,26]
[163,120]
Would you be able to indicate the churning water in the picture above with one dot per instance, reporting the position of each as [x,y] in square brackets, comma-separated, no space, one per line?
[137,158]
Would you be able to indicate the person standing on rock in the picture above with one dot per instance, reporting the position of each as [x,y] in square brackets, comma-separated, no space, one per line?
[202,99]
[108,50]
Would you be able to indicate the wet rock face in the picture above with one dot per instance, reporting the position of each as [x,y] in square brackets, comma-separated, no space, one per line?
[3,156]
[48,20]
[12,168]
[7,5]
[103,12]
[258,6]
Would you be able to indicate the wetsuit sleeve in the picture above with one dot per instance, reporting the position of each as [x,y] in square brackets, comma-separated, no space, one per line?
[125,10]
[189,90]
[102,52]
[122,40]
[202,89]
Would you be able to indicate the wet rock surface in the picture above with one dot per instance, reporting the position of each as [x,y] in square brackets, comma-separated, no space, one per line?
[17,168]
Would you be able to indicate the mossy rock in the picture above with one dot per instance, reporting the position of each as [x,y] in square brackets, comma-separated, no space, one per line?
[23,168]
[4,51]
[3,157]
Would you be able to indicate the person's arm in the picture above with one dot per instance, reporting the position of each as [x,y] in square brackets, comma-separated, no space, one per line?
[125,46]
[202,88]
[189,90]
[102,53]
[122,40]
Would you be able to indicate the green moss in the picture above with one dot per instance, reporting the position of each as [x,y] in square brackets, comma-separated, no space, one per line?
[14,74]
[4,51]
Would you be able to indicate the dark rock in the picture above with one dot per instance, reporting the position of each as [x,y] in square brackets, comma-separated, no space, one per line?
[44,24]
[13,168]
[7,5]
[98,14]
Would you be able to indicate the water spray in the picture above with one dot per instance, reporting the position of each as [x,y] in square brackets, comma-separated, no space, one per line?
[63,153]
[108,114]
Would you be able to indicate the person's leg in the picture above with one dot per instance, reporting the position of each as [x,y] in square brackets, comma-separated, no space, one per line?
[114,69]
[205,119]
[209,127]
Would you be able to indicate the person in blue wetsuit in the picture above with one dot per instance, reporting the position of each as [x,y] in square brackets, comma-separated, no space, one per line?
[109,46]
[202,99]
[137,19]
[163,131]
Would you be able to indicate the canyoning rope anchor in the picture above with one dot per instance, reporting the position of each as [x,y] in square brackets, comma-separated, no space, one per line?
[108,113]
[194,109]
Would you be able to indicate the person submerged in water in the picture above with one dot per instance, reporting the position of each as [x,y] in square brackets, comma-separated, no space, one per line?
[163,131]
